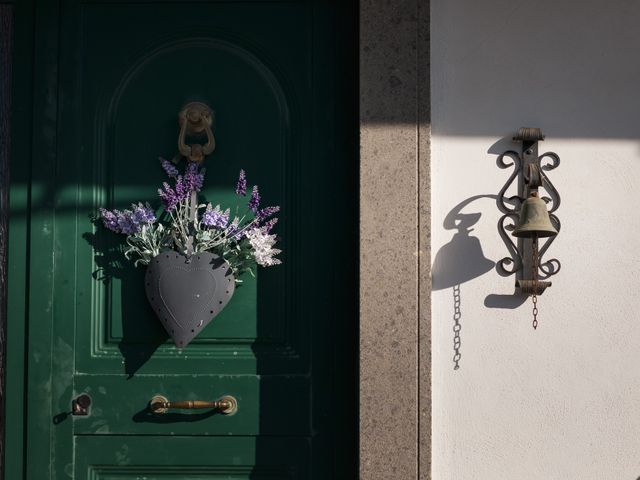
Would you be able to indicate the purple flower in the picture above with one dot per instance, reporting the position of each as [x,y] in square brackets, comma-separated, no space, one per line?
[125,223]
[267,227]
[128,221]
[193,179]
[266,213]
[214,217]
[185,185]
[233,229]
[241,187]
[142,214]
[110,220]
[182,189]
[168,197]
[169,168]
[254,201]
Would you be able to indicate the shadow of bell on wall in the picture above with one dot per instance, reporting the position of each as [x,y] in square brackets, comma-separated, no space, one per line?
[462,258]
[457,262]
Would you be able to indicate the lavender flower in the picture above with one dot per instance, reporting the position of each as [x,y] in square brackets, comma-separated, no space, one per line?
[128,221]
[267,227]
[185,185]
[182,189]
[215,217]
[193,179]
[125,223]
[254,201]
[168,196]
[239,241]
[110,220]
[233,229]
[142,214]
[266,213]
[169,168]
[241,187]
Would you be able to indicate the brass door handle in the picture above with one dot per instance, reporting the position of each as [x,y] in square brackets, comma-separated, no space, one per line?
[227,404]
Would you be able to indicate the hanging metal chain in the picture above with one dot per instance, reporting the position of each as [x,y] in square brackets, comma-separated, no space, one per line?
[534,263]
[457,315]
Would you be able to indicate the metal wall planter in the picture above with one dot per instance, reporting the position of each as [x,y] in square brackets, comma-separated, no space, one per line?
[187,293]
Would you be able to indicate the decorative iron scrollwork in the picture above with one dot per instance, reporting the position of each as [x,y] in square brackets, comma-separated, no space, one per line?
[529,170]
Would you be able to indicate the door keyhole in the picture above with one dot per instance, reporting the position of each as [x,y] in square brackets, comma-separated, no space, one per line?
[80,405]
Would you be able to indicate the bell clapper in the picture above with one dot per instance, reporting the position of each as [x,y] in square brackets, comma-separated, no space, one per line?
[534,222]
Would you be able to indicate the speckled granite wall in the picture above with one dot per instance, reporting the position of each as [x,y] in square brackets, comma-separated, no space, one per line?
[395,419]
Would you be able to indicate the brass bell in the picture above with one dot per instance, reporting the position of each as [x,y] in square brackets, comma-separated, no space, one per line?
[534,219]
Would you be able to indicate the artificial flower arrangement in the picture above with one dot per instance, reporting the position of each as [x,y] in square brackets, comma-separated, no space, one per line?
[195,253]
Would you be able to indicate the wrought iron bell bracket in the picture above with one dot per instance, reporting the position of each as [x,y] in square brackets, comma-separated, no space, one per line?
[530,172]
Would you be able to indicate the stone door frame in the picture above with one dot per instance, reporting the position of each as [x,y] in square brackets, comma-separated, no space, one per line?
[395,276]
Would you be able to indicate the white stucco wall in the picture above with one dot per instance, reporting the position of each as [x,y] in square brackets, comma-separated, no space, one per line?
[562,402]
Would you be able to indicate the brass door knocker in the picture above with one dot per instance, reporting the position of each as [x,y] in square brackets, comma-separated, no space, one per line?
[195,118]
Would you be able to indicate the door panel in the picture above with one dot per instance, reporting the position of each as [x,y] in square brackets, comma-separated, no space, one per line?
[258,84]
[233,459]
[113,76]
[286,403]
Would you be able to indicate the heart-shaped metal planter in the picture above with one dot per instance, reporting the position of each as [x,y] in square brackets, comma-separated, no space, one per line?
[187,293]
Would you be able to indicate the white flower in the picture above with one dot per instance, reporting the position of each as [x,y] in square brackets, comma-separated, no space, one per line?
[263,250]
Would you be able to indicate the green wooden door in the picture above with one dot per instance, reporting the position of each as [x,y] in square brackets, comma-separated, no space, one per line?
[98,86]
